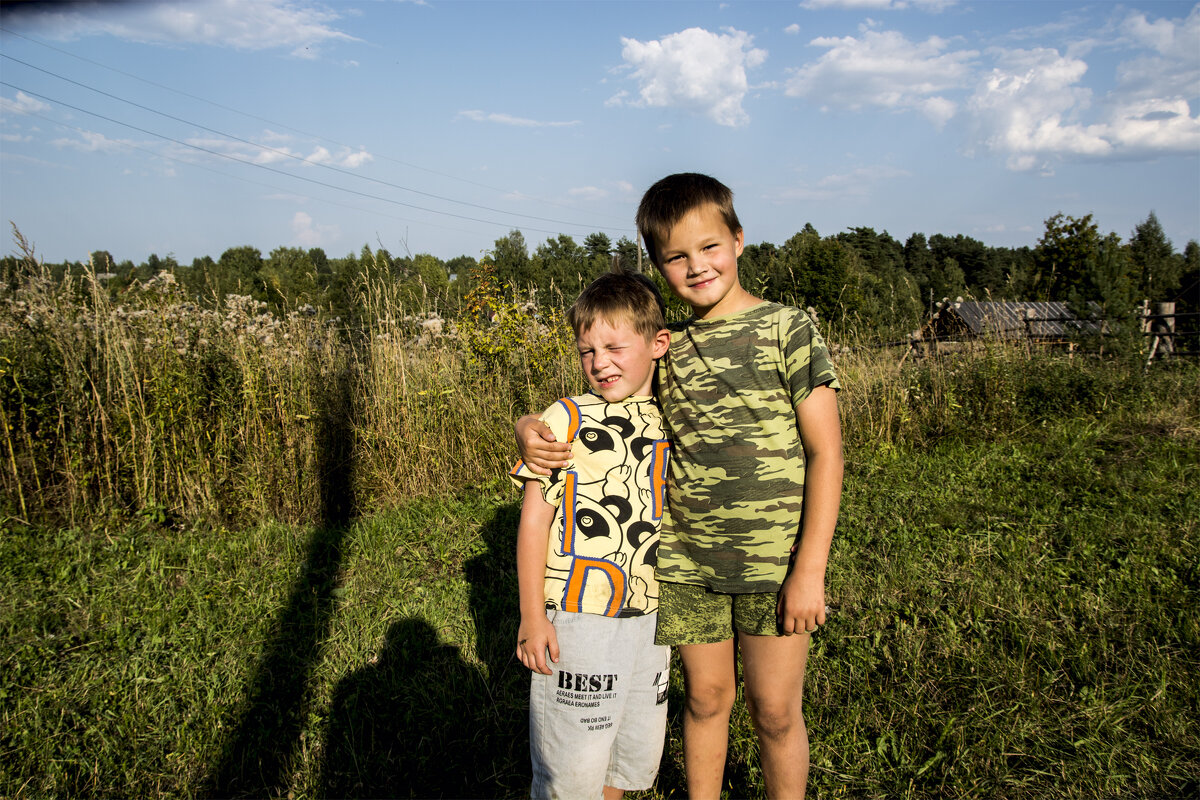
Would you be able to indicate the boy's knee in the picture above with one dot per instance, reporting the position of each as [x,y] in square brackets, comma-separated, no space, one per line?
[776,720]
[710,701]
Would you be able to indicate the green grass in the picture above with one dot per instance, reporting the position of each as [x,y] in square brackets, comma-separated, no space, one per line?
[1013,617]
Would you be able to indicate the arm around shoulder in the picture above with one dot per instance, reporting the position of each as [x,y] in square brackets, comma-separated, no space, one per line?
[538,447]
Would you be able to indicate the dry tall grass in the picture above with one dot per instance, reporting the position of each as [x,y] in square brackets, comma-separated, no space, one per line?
[155,405]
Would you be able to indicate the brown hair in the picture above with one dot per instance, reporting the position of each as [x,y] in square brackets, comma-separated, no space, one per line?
[671,199]
[619,296]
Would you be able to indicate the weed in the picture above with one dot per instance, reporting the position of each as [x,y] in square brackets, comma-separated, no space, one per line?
[251,554]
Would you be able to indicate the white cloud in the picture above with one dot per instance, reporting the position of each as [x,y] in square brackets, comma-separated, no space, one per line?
[355,159]
[257,25]
[884,69]
[306,233]
[92,142]
[1171,69]
[617,99]
[859,182]
[1026,107]
[345,158]
[1165,36]
[508,119]
[695,69]
[278,152]
[22,104]
[1030,107]
[242,150]
[587,193]
[878,5]
[1154,126]
[792,29]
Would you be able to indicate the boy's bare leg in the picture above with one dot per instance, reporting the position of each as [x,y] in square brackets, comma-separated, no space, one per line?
[613,794]
[773,671]
[710,686]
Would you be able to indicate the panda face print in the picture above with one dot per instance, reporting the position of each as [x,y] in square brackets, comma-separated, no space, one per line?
[596,440]
[591,522]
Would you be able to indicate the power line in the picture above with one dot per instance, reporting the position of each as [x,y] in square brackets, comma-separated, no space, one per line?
[276,123]
[243,179]
[295,157]
[268,168]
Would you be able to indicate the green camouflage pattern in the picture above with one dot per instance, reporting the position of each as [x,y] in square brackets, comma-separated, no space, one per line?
[689,614]
[729,388]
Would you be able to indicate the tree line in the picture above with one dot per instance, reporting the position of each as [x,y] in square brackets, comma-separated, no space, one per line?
[856,277]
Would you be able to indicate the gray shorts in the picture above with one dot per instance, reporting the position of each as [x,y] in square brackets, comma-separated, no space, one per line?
[601,717]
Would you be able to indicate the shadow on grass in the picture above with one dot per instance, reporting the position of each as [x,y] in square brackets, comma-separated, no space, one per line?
[495,610]
[422,721]
[256,759]
[406,725]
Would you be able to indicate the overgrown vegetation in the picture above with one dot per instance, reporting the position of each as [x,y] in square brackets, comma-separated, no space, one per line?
[256,554]
[858,280]
[237,414]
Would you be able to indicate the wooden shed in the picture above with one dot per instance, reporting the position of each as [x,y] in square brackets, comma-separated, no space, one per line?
[1010,320]
[1044,322]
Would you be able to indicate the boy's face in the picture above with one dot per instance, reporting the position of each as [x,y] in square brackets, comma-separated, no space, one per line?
[618,360]
[698,259]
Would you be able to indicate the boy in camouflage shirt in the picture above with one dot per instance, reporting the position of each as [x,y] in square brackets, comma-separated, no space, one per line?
[749,396]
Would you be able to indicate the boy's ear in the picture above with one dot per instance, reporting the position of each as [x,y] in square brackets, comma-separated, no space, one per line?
[740,238]
[662,340]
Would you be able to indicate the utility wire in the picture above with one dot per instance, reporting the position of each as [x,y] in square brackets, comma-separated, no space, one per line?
[244,179]
[301,159]
[273,169]
[278,124]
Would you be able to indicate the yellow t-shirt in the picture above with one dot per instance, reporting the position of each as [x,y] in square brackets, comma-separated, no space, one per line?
[610,503]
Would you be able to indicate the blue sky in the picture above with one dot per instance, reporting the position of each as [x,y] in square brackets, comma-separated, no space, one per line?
[189,128]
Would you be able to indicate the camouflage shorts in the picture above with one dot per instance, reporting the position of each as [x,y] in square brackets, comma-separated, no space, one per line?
[697,615]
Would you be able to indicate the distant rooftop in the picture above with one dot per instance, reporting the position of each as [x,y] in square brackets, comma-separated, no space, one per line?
[1015,319]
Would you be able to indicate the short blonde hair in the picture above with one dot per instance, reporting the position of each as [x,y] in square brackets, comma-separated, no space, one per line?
[619,296]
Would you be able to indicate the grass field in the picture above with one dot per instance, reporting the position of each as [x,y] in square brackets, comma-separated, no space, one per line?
[255,556]
[1015,615]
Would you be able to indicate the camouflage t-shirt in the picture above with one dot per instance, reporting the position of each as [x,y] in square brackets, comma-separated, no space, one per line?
[609,505]
[729,388]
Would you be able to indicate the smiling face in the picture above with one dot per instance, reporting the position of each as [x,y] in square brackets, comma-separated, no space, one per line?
[698,259]
[618,360]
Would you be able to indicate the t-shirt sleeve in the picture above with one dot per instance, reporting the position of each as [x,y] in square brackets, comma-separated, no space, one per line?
[807,363]
[558,418]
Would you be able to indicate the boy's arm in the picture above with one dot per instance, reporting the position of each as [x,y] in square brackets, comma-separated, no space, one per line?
[535,636]
[802,597]
[538,447]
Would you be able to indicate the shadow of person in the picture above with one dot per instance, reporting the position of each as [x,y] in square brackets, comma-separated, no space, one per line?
[256,758]
[408,724]
[495,609]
